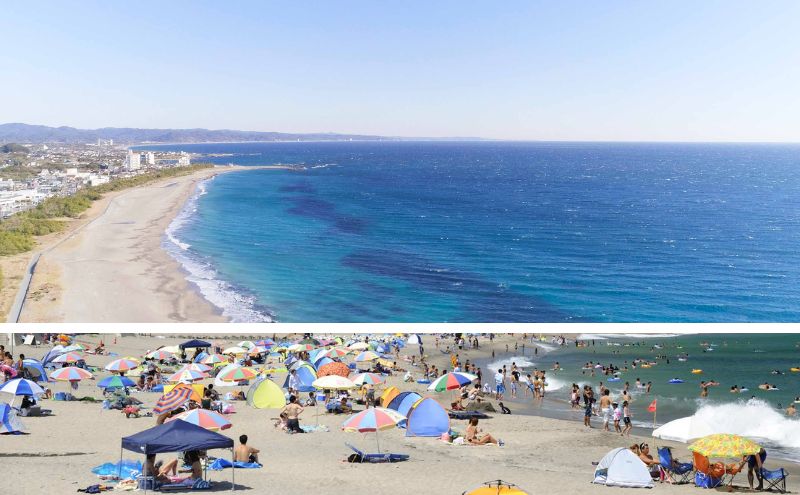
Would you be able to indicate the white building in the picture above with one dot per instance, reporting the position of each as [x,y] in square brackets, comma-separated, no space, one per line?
[184,160]
[151,158]
[133,161]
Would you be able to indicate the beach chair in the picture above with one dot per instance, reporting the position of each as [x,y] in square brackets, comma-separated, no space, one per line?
[377,458]
[775,478]
[680,472]
[705,476]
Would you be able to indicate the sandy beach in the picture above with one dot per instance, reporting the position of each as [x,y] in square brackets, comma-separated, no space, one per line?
[542,455]
[112,268]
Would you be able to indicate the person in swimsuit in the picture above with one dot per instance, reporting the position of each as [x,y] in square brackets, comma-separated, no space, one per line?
[588,400]
[754,465]
[605,407]
[245,453]
[473,438]
[626,419]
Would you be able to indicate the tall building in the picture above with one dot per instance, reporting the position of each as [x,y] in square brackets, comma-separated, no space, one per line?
[184,160]
[151,158]
[133,161]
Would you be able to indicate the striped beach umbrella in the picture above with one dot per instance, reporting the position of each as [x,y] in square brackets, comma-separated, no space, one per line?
[452,381]
[172,400]
[336,352]
[265,342]
[256,350]
[70,374]
[160,355]
[199,367]
[68,357]
[246,344]
[333,382]
[368,378]
[238,374]
[187,376]
[366,356]
[301,348]
[116,381]
[725,445]
[213,359]
[204,418]
[122,365]
[373,419]
[21,386]
[358,346]
[75,348]
[235,350]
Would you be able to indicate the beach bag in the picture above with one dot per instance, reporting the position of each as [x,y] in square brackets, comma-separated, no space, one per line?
[459,441]
[446,437]
[228,409]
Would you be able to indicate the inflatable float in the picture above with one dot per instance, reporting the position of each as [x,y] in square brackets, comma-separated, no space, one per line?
[794,370]
[615,379]
[696,372]
[675,380]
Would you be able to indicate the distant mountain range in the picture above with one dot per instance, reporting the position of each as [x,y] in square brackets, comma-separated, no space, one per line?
[26,133]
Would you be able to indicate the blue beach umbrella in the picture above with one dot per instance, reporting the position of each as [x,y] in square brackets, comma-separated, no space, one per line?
[21,386]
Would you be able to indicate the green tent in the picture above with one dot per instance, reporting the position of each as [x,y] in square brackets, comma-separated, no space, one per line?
[265,394]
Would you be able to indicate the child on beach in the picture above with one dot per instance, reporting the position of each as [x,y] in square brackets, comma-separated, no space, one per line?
[626,418]
[617,417]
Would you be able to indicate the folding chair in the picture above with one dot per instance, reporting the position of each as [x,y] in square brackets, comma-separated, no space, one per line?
[775,478]
[680,472]
[376,458]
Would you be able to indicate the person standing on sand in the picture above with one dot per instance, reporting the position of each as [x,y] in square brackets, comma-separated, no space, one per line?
[605,408]
[292,410]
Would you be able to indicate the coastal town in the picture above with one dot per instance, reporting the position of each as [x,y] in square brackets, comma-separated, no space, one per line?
[31,173]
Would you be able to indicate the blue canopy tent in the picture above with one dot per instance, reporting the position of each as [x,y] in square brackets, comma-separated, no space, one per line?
[176,436]
[190,344]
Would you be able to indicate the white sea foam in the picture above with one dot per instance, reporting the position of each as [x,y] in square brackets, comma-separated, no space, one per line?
[521,361]
[753,419]
[606,336]
[236,306]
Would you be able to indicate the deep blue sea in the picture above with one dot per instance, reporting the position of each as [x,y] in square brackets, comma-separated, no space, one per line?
[497,232]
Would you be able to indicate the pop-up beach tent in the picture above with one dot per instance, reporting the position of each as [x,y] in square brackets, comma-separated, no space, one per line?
[191,344]
[387,396]
[265,394]
[403,402]
[176,436]
[427,418]
[9,422]
[35,370]
[621,467]
[305,375]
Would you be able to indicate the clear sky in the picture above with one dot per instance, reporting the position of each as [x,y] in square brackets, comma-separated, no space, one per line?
[692,70]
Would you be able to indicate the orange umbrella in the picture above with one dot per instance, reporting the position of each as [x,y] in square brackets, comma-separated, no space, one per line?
[334,368]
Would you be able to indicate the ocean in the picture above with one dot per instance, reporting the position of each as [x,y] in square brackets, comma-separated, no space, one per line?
[743,360]
[496,232]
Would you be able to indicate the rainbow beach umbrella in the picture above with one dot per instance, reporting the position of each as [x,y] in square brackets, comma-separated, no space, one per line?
[204,418]
[214,359]
[301,348]
[452,381]
[187,376]
[172,400]
[115,381]
[373,419]
[160,355]
[336,352]
[238,374]
[366,356]
[122,365]
[369,379]
[199,367]
[70,374]
[69,357]
[725,445]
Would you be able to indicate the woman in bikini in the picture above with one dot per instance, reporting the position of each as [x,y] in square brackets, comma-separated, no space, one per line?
[473,437]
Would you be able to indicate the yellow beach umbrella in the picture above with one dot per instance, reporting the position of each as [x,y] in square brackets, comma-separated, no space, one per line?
[725,445]
[498,487]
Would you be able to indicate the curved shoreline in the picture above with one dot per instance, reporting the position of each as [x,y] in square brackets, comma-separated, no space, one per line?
[112,267]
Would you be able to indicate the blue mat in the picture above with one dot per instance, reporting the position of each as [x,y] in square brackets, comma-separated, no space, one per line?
[220,464]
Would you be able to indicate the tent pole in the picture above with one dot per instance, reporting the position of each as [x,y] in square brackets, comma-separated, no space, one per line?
[377,440]
[119,471]
[233,471]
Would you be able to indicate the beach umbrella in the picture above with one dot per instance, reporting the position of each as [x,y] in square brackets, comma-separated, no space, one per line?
[333,382]
[172,349]
[75,348]
[214,359]
[204,418]
[725,445]
[122,365]
[373,419]
[199,367]
[415,339]
[246,344]
[334,368]
[310,341]
[69,357]
[498,487]
[452,381]
[359,346]
[684,429]
[265,342]
[160,355]
[366,356]
[369,379]
[386,363]
[21,386]
[237,374]
[235,350]
[116,381]
[301,348]
[255,350]
[172,400]
[187,376]
[70,374]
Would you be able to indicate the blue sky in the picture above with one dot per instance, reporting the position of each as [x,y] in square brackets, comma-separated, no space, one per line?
[721,70]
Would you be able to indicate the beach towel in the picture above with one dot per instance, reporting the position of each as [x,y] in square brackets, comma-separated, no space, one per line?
[124,469]
[220,464]
[312,428]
